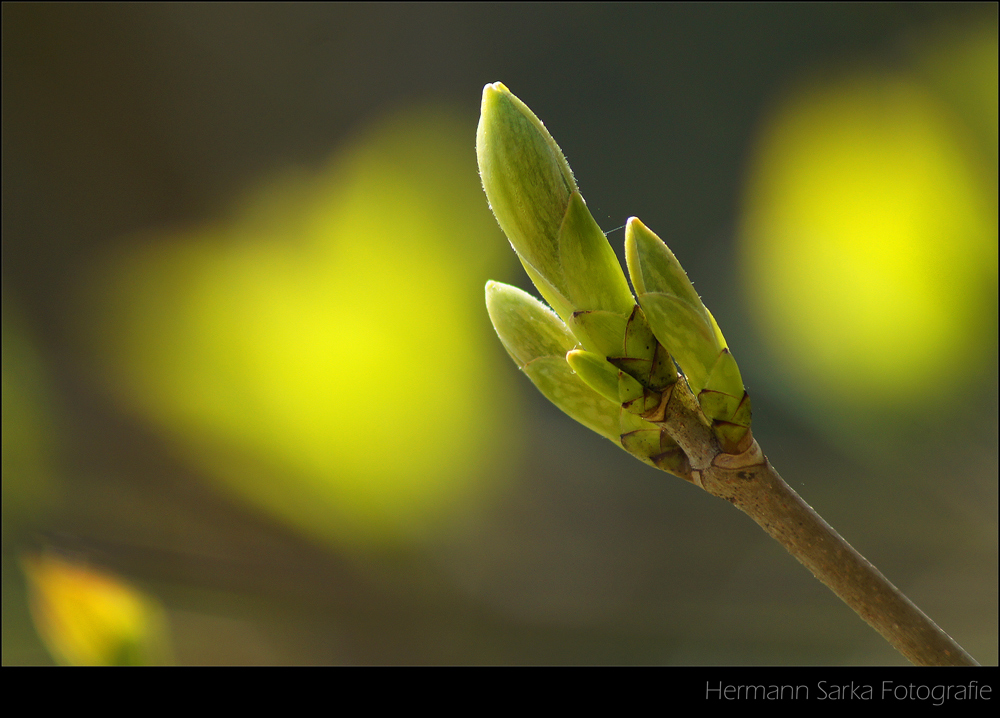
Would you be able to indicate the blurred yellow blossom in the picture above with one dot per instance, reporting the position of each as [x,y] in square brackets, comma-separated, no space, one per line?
[320,350]
[869,240]
[89,617]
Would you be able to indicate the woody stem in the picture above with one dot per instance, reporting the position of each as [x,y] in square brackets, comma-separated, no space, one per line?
[759,491]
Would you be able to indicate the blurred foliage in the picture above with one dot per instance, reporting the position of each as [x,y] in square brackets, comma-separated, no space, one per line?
[321,352]
[870,236]
[89,617]
[28,443]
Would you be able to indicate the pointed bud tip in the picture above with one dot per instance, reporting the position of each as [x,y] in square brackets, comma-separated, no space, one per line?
[492,92]
[494,87]
[498,292]
[633,226]
[494,294]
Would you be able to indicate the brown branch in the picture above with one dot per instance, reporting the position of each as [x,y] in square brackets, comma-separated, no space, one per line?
[750,483]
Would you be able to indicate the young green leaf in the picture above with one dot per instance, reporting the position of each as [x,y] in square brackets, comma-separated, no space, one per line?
[595,372]
[538,341]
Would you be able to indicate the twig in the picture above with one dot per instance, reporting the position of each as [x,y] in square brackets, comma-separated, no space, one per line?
[758,491]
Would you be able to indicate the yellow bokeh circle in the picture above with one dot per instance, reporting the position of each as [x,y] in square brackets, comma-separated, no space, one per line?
[324,352]
[869,243]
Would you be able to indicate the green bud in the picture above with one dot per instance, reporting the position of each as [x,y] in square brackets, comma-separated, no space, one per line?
[606,329]
[644,357]
[653,445]
[676,314]
[729,411]
[538,341]
[526,177]
[643,443]
[535,199]
[559,384]
[621,381]
[725,380]
[527,328]
[593,277]
[595,372]
[683,324]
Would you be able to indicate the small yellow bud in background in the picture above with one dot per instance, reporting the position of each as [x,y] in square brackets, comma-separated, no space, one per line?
[88,617]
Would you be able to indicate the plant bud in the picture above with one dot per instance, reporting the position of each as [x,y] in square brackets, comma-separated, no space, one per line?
[535,199]
[538,341]
[683,324]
